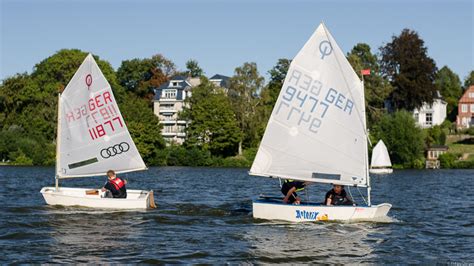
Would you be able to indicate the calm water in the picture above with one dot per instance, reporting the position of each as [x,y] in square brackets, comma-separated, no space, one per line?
[204,216]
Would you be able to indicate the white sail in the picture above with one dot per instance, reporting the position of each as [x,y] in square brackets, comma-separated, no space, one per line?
[317,129]
[92,135]
[380,157]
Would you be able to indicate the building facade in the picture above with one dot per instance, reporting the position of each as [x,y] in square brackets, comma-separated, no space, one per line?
[465,117]
[430,115]
[170,99]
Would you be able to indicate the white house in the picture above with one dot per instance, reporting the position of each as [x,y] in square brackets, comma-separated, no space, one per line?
[170,99]
[430,115]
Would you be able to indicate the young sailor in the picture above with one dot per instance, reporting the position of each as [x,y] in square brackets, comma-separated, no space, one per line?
[115,186]
[337,196]
[289,189]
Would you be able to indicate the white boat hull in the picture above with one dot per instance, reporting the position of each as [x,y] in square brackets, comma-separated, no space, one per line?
[272,209]
[381,171]
[136,199]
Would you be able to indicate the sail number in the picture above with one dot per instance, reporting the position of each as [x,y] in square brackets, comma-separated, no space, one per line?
[100,114]
[301,100]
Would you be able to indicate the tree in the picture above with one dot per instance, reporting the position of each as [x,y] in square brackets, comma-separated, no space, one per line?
[243,89]
[411,72]
[404,140]
[377,89]
[449,85]
[140,76]
[469,80]
[193,68]
[271,91]
[29,110]
[213,125]
[144,127]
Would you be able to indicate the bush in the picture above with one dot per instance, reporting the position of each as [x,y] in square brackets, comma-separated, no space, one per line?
[404,140]
[463,164]
[447,160]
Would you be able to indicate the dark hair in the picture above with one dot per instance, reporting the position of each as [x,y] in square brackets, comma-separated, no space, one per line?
[110,173]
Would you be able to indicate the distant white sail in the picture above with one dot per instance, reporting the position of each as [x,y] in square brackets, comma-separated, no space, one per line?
[93,136]
[317,126]
[380,157]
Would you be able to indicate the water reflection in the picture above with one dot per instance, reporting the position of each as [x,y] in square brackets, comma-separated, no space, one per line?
[85,235]
[316,242]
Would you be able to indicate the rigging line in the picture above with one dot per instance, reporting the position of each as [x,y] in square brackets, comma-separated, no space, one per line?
[347,84]
[350,193]
[362,197]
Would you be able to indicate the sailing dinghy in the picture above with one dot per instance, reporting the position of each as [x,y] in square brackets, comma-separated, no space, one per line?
[92,138]
[317,133]
[380,163]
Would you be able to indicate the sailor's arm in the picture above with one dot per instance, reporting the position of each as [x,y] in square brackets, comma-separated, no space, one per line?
[291,191]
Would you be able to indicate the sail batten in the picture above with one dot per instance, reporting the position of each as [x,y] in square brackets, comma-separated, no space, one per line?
[317,123]
[93,136]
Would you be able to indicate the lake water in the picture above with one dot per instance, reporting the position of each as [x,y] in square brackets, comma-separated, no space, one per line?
[204,215]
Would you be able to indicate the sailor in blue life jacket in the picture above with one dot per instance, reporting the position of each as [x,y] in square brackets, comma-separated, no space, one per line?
[115,186]
[337,196]
[289,189]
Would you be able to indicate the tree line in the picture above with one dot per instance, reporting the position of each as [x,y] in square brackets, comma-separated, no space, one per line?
[226,126]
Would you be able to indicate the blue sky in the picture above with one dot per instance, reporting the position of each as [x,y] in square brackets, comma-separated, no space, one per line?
[222,35]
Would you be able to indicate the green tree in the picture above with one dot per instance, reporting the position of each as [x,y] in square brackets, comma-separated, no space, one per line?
[404,140]
[144,127]
[435,136]
[213,125]
[377,89]
[411,72]
[469,80]
[140,76]
[194,70]
[449,85]
[243,90]
[271,91]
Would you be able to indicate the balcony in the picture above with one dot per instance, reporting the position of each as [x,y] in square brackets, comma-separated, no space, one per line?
[168,110]
[168,122]
[168,134]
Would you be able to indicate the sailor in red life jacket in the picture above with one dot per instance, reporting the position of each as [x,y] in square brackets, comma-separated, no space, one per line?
[115,186]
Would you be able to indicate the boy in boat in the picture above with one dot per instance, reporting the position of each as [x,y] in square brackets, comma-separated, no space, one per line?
[337,196]
[115,186]
[289,189]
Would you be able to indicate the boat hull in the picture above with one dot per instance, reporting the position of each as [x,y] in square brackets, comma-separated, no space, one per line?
[271,209]
[381,171]
[136,199]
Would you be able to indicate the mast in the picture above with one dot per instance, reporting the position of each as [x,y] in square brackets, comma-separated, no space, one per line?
[366,155]
[58,141]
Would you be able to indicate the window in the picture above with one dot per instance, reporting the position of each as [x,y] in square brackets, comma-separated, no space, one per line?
[169,94]
[471,95]
[168,118]
[429,119]
[416,117]
[464,108]
[168,129]
[167,106]
[472,108]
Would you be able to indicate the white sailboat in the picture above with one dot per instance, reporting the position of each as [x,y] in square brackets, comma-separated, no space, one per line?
[317,133]
[92,138]
[380,163]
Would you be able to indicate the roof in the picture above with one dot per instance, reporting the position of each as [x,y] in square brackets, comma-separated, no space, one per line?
[438,148]
[223,81]
[465,97]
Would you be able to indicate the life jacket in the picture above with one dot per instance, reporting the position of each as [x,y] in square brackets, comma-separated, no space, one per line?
[117,183]
[339,199]
[291,180]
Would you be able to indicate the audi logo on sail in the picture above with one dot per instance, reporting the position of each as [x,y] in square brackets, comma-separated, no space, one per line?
[114,150]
